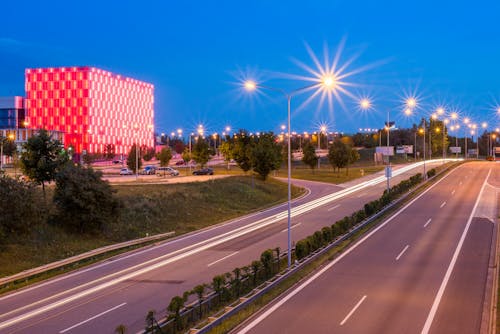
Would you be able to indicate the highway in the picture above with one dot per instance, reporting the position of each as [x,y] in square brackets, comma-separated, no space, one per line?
[123,289]
[423,270]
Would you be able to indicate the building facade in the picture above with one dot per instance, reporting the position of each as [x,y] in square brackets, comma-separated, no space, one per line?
[95,109]
[12,112]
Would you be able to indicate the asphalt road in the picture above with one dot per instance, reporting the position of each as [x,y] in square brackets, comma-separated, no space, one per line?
[123,289]
[422,271]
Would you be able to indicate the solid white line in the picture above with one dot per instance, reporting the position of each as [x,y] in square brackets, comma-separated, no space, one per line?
[333,207]
[428,222]
[442,204]
[453,192]
[335,261]
[92,318]
[225,257]
[402,252]
[353,310]
[293,226]
[439,295]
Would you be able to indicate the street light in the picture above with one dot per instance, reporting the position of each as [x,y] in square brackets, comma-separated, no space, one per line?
[326,82]
[466,122]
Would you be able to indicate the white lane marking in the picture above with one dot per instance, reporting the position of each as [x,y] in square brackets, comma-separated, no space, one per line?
[453,192]
[293,226]
[360,195]
[333,207]
[428,222]
[439,295]
[222,259]
[353,310]
[402,252]
[442,204]
[92,318]
[460,183]
[302,286]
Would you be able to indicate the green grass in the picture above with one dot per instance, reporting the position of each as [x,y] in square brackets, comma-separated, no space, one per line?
[326,173]
[147,209]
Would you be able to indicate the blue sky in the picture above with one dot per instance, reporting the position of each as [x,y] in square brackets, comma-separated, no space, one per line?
[195,53]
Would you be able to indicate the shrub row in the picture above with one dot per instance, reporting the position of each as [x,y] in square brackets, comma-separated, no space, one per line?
[209,298]
[228,287]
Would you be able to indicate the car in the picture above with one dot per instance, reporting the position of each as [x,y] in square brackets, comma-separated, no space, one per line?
[179,163]
[126,171]
[116,162]
[149,170]
[163,171]
[204,171]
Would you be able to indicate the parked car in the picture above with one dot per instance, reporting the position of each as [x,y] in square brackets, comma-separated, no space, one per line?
[116,162]
[179,163]
[149,170]
[126,171]
[204,171]
[162,171]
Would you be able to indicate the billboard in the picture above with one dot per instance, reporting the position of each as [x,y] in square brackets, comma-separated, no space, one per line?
[404,149]
[385,150]
[455,149]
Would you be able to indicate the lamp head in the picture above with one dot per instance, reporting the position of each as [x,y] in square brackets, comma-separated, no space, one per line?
[250,85]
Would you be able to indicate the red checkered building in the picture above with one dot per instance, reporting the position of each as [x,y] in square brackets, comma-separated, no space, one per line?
[92,107]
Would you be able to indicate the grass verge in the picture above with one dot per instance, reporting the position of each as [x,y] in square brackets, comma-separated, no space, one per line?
[147,210]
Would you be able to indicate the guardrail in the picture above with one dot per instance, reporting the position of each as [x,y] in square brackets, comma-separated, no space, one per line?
[61,263]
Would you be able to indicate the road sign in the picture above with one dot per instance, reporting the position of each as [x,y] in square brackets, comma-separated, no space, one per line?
[388,171]
[455,149]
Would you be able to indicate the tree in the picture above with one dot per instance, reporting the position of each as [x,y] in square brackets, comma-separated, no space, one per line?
[9,147]
[148,153]
[83,200]
[227,151]
[267,262]
[175,306]
[179,146]
[353,157]
[41,158]
[242,150]
[265,155]
[132,159]
[121,329]
[199,290]
[20,204]
[164,156]
[150,321]
[186,155]
[109,151]
[309,156]
[201,152]
[338,155]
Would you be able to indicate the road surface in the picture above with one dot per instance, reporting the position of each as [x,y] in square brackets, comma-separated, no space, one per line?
[123,289]
[424,270]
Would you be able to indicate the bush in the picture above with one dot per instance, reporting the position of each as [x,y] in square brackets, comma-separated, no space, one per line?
[84,201]
[301,249]
[431,173]
[20,205]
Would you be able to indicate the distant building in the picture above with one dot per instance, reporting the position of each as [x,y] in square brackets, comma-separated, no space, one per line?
[12,112]
[92,107]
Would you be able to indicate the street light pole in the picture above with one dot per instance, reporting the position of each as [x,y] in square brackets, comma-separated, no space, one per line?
[250,86]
